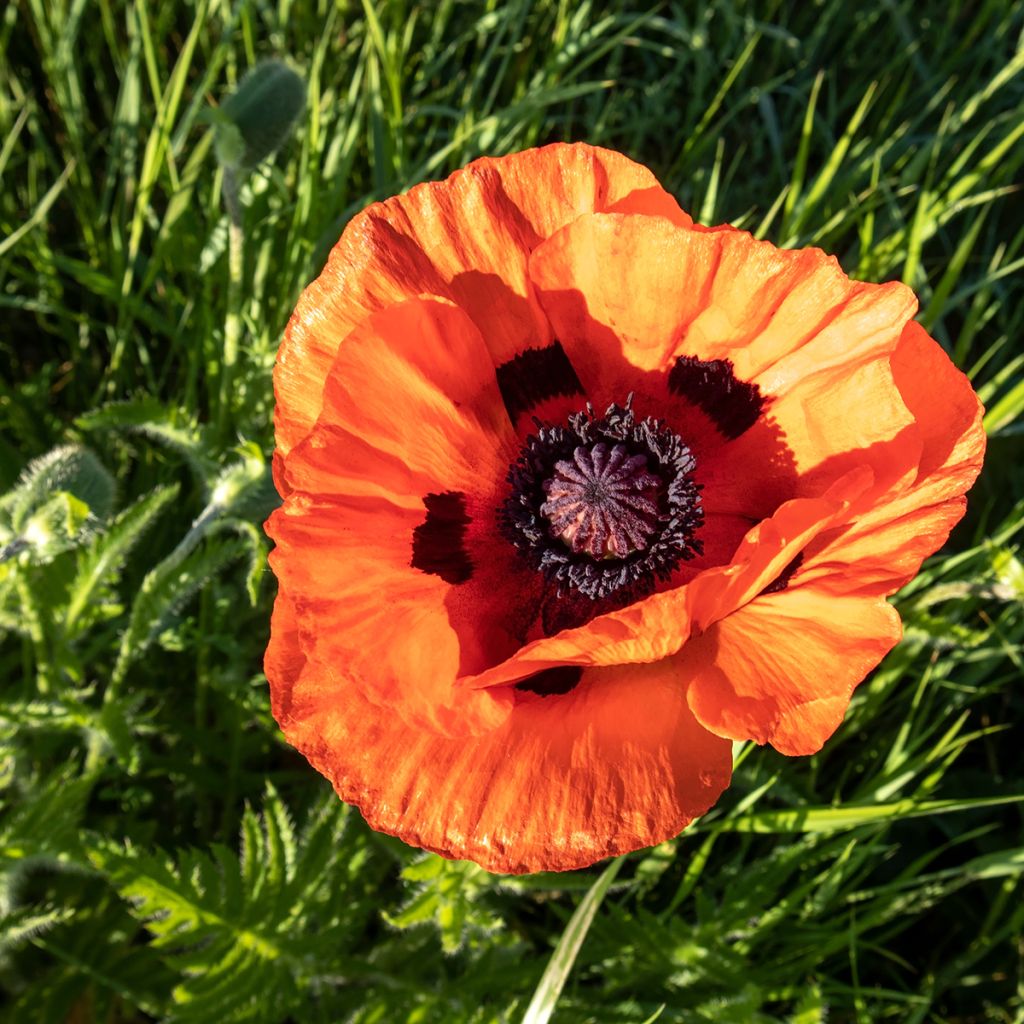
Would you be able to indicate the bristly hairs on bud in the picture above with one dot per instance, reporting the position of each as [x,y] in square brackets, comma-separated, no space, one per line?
[59,501]
[256,120]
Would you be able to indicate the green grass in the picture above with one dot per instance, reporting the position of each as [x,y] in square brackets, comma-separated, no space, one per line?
[163,855]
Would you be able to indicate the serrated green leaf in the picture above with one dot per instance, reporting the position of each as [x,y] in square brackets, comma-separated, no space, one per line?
[165,591]
[25,923]
[150,418]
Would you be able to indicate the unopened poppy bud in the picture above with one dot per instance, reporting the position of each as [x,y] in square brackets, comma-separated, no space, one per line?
[255,121]
[60,524]
[70,468]
[59,500]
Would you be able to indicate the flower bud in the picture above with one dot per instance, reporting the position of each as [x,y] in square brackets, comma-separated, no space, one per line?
[256,119]
[56,505]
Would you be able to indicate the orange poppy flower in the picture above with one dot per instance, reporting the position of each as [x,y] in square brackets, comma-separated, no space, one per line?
[577,492]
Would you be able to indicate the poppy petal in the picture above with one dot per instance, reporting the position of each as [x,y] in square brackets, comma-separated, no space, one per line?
[652,202]
[836,420]
[781,669]
[885,545]
[337,561]
[747,687]
[618,290]
[770,546]
[617,763]
[651,291]
[946,410]
[381,497]
[466,239]
[412,390]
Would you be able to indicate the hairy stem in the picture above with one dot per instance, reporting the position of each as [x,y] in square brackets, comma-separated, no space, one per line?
[233,317]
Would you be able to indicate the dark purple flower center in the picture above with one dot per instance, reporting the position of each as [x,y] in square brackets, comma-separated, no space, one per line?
[605,505]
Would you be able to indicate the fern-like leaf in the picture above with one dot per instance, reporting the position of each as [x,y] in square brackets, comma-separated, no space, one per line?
[24,923]
[243,932]
[41,823]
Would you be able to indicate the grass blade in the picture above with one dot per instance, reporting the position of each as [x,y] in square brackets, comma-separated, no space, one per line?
[545,998]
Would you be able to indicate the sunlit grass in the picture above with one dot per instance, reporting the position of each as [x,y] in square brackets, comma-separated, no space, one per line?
[878,880]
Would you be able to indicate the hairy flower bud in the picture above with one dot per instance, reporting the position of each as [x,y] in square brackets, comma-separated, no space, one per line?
[256,120]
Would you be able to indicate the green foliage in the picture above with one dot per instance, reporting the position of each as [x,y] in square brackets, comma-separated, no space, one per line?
[26,923]
[545,998]
[243,931]
[448,895]
[99,569]
[149,418]
[55,506]
[144,291]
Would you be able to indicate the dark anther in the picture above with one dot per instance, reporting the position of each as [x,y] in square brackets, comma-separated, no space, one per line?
[529,378]
[438,543]
[710,384]
[550,682]
[605,505]
[782,580]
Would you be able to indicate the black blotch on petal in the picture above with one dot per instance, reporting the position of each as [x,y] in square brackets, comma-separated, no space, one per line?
[711,385]
[552,682]
[529,378]
[439,542]
[782,580]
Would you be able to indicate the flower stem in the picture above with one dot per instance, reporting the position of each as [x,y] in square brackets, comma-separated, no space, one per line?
[32,613]
[233,317]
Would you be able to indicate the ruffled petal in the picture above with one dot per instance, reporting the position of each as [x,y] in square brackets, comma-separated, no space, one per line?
[365,608]
[384,496]
[618,291]
[883,547]
[466,239]
[410,406]
[617,763]
[947,412]
[665,290]
[652,202]
[781,669]
[835,420]
[770,547]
